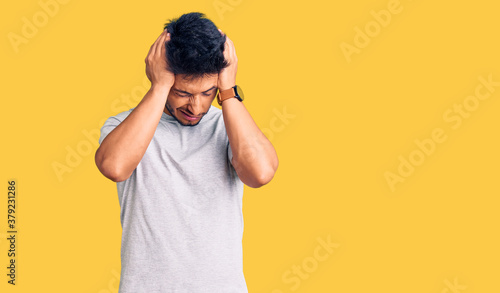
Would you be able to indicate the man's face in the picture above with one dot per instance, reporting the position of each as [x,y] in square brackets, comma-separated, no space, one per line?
[188,100]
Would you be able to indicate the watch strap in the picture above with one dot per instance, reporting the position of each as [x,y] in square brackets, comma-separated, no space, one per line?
[226,94]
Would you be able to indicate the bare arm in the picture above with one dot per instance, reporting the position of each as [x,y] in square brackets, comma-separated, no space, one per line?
[123,148]
[254,157]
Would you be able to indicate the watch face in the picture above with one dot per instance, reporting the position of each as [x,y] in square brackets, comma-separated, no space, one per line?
[239,93]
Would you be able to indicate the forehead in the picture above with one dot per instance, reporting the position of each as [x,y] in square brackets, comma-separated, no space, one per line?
[195,85]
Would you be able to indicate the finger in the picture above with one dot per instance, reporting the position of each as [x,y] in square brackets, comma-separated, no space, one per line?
[160,44]
[167,39]
[161,50]
[150,49]
[229,46]
[227,51]
[164,46]
[154,47]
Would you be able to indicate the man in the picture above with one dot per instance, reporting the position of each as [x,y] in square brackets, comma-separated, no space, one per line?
[180,165]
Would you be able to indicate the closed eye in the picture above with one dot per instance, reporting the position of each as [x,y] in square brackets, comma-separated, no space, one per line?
[206,93]
[209,92]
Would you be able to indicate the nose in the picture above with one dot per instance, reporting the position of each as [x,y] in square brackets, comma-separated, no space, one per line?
[194,105]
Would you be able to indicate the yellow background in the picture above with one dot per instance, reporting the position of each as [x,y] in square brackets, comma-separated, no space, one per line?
[351,122]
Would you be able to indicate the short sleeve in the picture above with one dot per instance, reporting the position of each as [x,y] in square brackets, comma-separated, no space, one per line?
[111,124]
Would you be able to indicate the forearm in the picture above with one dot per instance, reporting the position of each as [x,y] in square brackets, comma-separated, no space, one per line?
[254,157]
[123,148]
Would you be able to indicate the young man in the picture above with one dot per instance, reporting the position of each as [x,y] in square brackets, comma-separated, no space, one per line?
[180,165]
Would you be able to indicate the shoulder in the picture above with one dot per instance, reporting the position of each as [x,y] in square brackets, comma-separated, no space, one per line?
[112,122]
[122,115]
[118,118]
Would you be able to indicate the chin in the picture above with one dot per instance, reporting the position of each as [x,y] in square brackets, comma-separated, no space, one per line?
[185,122]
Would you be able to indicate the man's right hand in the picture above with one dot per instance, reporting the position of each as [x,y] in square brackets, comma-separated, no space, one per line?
[156,63]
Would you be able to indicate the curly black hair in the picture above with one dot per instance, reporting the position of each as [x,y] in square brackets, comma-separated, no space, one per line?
[196,47]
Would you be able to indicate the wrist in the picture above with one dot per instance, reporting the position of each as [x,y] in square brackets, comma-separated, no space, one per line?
[226,86]
[161,88]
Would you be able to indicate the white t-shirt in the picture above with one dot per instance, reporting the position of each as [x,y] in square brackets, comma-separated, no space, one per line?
[181,211]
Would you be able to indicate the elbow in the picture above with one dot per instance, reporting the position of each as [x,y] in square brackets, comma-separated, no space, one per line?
[263,180]
[263,177]
[115,176]
[110,170]
[256,177]
[268,174]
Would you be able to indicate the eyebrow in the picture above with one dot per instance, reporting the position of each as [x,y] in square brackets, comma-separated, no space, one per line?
[184,92]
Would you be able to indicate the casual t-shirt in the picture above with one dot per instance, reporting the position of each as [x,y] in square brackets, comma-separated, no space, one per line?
[181,211]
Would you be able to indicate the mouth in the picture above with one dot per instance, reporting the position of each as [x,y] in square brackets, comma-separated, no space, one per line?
[189,117]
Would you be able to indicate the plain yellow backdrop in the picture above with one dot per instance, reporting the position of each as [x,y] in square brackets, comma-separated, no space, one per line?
[384,115]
